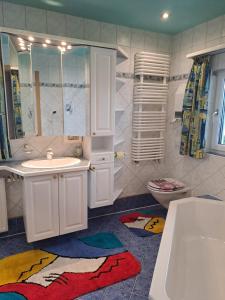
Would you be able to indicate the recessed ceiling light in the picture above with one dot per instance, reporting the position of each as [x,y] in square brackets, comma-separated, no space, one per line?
[165,15]
[63,43]
[30,38]
[44,45]
[47,41]
[52,2]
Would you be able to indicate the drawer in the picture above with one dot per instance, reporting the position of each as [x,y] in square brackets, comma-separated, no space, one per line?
[99,158]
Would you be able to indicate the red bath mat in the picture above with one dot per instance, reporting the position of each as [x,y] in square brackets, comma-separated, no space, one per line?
[66,271]
[143,223]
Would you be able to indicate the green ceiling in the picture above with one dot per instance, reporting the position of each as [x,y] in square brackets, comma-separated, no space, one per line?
[144,14]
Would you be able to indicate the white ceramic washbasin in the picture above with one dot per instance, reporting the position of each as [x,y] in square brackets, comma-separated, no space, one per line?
[60,162]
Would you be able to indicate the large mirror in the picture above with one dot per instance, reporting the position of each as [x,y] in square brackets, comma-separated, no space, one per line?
[46,86]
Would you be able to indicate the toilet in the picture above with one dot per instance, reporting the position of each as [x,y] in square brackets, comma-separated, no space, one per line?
[170,189]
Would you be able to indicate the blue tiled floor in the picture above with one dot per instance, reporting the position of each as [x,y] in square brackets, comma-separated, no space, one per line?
[144,249]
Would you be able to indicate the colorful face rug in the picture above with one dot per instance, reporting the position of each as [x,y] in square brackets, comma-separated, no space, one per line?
[143,223]
[65,271]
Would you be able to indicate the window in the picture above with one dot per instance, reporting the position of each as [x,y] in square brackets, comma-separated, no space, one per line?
[216,126]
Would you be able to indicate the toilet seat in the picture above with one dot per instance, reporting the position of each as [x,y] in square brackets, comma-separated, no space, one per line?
[167,185]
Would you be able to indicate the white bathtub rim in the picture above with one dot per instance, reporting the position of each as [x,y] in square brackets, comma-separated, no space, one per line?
[158,285]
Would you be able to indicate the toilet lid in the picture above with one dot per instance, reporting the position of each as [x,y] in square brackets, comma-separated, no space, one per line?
[166,184]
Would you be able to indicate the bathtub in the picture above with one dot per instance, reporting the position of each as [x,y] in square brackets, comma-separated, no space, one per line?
[191,259]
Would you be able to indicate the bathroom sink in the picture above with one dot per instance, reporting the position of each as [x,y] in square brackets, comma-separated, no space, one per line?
[51,163]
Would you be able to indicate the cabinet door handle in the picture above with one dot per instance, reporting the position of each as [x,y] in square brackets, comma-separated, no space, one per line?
[103,158]
[61,176]
[55,177]
[94,133]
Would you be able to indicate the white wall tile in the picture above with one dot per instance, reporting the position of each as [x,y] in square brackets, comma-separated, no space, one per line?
[214,28]
[187,40]
[123,36]
[151,41]
[56,23]
[74,27]
[36,19]
[199,36]
[137,38]
[92,30]
[1,14]
[164,43]
[108,33]
[14,15]
[176,43]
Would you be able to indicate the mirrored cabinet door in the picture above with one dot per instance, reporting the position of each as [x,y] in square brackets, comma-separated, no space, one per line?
[19,101]
[47,82]
[76,90]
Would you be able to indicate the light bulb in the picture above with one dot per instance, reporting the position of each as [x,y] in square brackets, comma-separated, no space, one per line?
[48,41]
[30,38]
[44,45]
[20,39]
[63,43]
[22,48]
[165,15]
[69,47]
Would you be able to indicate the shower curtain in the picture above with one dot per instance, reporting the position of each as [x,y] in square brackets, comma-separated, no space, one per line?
[195,109]
[5,152]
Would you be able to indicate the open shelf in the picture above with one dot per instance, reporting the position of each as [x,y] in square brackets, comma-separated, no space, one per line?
[117,169]
[117,193]
[118,142]
[121,53]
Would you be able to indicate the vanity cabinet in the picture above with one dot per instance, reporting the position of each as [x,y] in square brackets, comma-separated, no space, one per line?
[54,204]
[103,80]
[101,185]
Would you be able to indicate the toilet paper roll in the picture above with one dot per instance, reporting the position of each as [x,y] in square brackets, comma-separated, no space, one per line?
[119,155]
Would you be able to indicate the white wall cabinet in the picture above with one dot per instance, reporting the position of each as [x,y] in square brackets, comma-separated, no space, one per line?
[54,204]
[103,80]
[101,185]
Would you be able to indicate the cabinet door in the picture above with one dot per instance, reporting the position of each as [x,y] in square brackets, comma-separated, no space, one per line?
[102,91]
[3,209]
[73,201]
[101,185]
[41,204]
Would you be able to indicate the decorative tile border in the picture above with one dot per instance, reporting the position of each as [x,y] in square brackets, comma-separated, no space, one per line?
[57,85]
[155,78]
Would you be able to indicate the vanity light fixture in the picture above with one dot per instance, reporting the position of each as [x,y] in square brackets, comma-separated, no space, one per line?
[48,41]
[30,38]
[164,16]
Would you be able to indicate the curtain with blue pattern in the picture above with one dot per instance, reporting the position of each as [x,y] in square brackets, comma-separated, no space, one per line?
[195,107]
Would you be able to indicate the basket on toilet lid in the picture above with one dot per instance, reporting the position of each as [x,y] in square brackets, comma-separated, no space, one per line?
[165,184]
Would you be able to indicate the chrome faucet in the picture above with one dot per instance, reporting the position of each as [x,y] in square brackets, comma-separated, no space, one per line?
[49,153]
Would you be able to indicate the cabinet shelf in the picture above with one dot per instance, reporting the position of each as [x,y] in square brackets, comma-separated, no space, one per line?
[117,193]
[118,142]
[117,169]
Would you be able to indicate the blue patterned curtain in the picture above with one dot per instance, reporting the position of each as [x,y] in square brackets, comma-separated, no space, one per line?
[5,152]
[195,109]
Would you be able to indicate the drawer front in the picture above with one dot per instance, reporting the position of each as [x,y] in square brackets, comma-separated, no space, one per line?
[99,158]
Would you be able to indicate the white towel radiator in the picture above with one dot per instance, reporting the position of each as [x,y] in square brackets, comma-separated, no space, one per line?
[149,112]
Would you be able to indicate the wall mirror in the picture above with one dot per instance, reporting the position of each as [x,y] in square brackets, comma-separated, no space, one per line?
[46,86]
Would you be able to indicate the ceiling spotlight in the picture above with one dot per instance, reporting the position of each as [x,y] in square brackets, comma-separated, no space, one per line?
[165,15]
[48,41]
[45,45]
[30,38]
[63,43]
[69,47]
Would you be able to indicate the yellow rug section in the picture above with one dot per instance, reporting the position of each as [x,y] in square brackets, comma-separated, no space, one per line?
[155,225]
[24,265]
